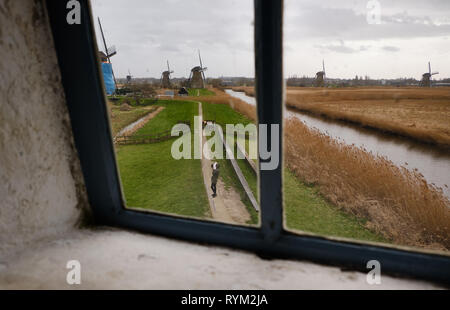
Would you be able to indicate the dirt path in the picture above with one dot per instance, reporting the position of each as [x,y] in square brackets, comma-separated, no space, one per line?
[227,205]
[135,126]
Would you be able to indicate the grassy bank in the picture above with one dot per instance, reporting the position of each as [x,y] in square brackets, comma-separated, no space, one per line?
[153,180]
[307,210]
[195,92]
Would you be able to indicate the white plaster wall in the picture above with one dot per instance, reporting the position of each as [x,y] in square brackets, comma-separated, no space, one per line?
[41,188]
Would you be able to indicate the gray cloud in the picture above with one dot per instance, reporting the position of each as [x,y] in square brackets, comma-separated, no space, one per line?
[307,20]
[153,31]
[342,48]
[390,48]
[148,32]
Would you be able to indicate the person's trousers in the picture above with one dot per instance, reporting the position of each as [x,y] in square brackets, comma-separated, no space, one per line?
[213,187]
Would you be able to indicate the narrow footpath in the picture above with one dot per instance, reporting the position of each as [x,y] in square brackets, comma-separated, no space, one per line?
[227,205]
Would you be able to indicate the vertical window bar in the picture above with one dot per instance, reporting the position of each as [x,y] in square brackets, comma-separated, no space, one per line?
[269,95]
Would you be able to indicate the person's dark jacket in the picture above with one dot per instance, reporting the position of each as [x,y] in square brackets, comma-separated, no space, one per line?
[215,174]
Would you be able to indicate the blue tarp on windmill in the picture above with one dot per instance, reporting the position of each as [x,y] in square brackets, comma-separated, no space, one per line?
[108,78]
[110,86]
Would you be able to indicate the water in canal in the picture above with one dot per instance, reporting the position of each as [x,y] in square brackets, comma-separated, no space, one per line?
[432,162]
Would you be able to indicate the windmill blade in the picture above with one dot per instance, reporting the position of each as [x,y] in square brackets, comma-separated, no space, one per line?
[429,67]
[434,73]
[111,51]
[323,66]
[200,58]
[168,68]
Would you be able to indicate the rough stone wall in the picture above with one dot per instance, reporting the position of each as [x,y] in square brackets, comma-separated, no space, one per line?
[42,192]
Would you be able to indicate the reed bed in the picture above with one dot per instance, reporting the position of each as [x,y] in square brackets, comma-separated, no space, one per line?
[396,202]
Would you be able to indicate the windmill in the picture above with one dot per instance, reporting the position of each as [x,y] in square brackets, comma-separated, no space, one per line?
[426,77]
[165,77]
[129,77]
[320,76]
[197,76]
[109,52]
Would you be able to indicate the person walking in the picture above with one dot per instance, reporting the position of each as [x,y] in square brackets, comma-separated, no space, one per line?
[214,177]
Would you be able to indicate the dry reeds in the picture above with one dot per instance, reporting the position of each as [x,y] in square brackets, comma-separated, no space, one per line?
[249,91]
[398,203]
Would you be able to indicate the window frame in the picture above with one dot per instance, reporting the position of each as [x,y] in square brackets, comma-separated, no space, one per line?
[82,81]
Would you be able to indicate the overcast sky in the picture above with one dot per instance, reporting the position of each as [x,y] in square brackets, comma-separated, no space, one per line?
[147,33]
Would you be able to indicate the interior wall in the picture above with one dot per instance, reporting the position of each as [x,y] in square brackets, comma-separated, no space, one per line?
[42,192]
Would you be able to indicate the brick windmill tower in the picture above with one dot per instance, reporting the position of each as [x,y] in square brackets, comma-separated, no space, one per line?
[426,77]
[165,77]
[197,76]
[320,76]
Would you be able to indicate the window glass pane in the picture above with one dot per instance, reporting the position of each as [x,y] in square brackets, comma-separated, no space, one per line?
[367,129]
[168,77]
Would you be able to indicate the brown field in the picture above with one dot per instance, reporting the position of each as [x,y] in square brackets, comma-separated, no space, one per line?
[398,203]
[419,113]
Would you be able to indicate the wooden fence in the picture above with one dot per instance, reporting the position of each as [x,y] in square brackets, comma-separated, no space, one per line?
[146,139]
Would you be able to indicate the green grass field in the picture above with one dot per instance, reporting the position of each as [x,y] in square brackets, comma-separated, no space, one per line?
[200,92]
[153,180]
[305,209]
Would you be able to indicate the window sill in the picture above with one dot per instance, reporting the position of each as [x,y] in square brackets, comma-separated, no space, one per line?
[117,259]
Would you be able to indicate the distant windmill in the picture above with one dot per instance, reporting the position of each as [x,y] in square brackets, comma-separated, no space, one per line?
[129,77]
[165,77]
[197,76]
[426,77]
[320,76]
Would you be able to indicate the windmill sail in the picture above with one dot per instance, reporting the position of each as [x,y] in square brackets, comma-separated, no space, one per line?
[111,51]
[201,67]
[323,67]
